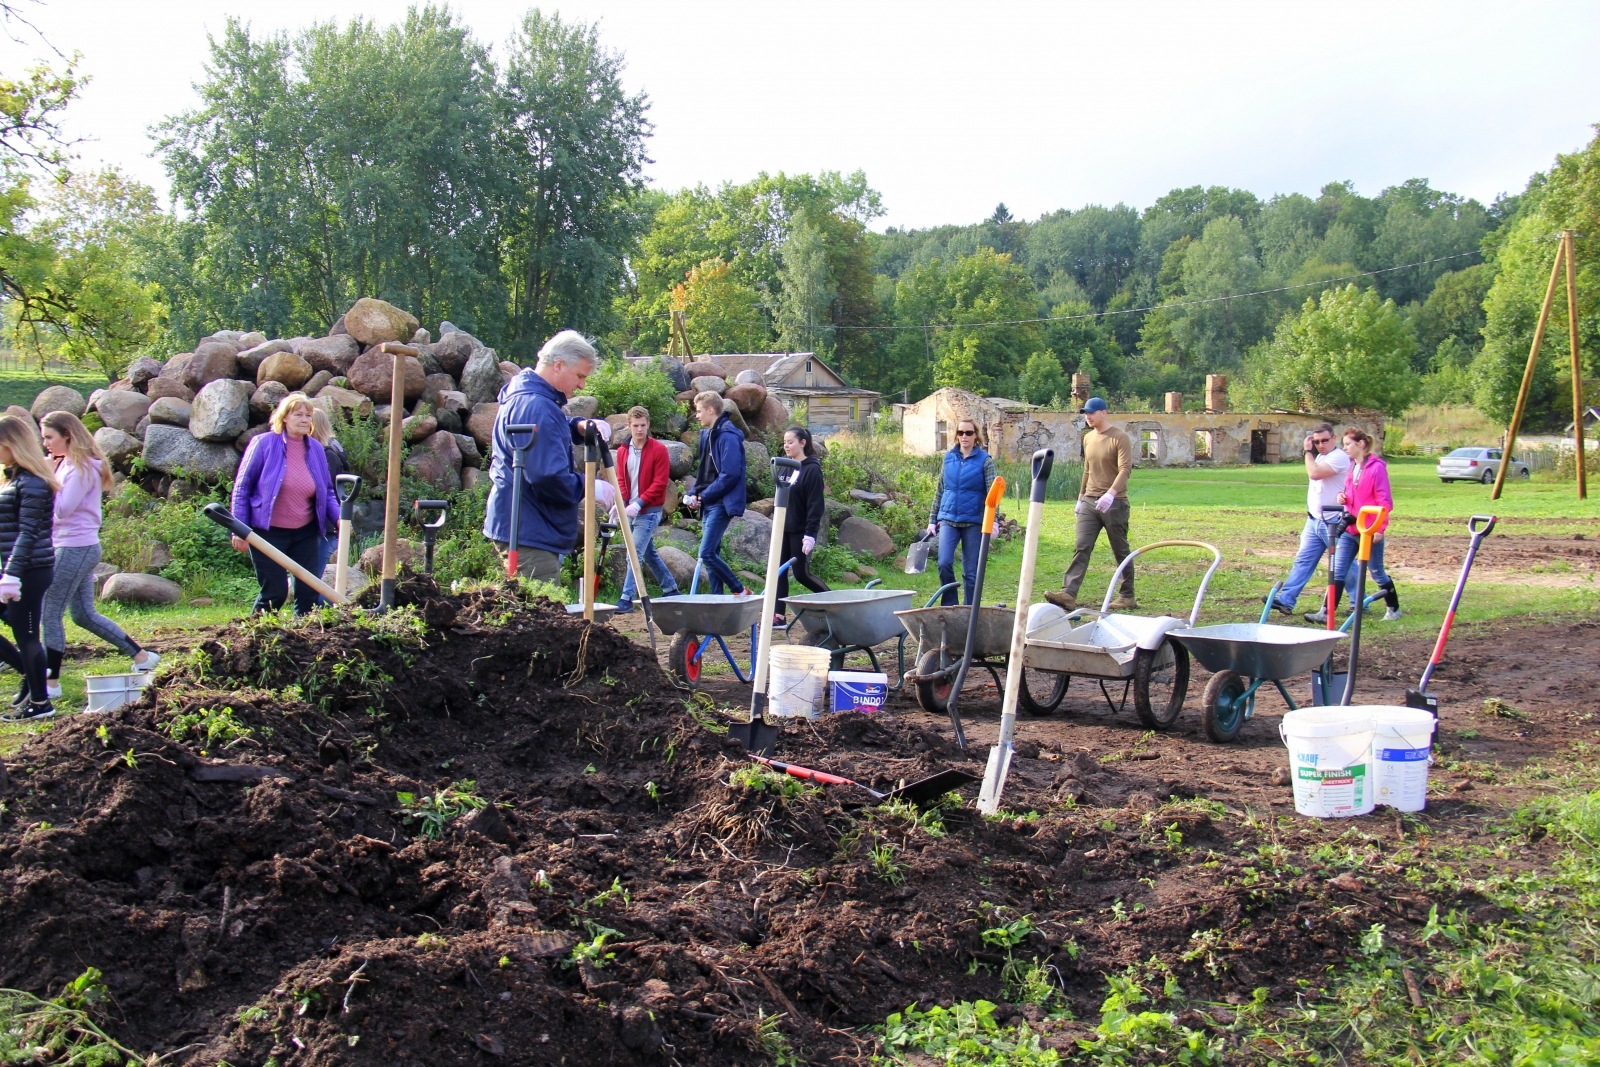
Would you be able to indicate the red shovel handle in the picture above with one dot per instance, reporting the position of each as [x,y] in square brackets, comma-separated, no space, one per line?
[803,773]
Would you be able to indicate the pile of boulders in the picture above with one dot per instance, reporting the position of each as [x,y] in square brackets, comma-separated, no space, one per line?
[193,415]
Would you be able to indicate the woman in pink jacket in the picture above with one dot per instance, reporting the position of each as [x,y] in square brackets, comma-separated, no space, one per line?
[84,475]
[1366,484]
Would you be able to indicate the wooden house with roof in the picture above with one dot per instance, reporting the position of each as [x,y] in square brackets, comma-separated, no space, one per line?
[812,391]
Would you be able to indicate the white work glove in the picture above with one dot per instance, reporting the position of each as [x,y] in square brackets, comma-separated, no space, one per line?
[604,495]
[691,502]
[1104,503]
[10,589]
[807,543]
[603,428]
[1077,509]
[633,510]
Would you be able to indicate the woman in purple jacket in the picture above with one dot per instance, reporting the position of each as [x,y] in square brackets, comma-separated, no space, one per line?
[284,491]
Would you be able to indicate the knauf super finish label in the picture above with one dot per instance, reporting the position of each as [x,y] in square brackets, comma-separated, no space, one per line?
[1403,777]
[857,690]
[1329,793]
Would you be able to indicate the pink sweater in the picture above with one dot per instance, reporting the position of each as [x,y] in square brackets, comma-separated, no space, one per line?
[77,513]
[1373,488]
[297,497]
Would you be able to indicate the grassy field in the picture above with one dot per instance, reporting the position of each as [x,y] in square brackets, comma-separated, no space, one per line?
[21,386]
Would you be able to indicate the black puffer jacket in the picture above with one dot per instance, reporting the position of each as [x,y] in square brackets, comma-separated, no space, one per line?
[27,518]
[806,508]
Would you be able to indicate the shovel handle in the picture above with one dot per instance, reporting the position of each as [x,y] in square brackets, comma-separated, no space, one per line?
[1367,520]
[803,773]
[991,503]
[1488,520]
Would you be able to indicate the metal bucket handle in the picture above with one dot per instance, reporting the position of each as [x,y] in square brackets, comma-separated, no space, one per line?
[1200,594]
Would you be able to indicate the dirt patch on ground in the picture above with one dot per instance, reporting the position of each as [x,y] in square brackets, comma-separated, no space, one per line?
[626,895]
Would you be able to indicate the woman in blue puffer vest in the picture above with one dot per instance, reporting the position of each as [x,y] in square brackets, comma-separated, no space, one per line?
[957,515]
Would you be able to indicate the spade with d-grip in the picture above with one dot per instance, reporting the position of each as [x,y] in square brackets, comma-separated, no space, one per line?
[519,466]
[994,778]
[991,505]
[760,735]
[345,488]
[1419,697]
[222,517]
[1367,520]
[430,528]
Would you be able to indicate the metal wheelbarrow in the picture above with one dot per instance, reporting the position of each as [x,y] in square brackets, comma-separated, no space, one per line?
[1134,649]
[1245,656]
[695,620]
[941,634]
[854,620]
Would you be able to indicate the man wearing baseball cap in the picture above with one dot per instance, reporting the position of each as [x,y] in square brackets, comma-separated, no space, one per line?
[1102,505]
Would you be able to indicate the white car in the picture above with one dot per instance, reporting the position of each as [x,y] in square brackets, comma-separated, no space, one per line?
[1475,465]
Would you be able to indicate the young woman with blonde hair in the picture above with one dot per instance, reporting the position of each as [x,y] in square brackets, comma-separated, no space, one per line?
[84,474]
[28,487]
[284,491]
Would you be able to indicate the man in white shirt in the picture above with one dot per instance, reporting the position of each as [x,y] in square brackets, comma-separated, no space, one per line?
[1326,465]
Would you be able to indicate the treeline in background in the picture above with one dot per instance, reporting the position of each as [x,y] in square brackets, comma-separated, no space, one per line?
[503,190]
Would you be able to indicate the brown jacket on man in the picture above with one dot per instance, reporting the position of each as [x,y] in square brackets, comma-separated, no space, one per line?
[1107,462]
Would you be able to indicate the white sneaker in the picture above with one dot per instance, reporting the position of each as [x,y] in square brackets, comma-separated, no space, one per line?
[52,689]
[1391,615]
[150,663]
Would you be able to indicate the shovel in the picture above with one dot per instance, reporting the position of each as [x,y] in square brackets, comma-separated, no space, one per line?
[917,554]
[1419,697]
[591,459]
[991,504]
[222,517]
[1366,521]
[994,776]
[430,529]
[759,734]
[345,488]
[920,792]
[608,465]
[391,499]
[519,464]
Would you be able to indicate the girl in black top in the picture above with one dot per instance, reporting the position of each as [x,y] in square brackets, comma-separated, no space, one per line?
[803,521]
[27,517]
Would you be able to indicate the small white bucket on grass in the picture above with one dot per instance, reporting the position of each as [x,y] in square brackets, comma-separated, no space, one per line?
[1330,760]
[1402,749]
[797,678]
[107,691]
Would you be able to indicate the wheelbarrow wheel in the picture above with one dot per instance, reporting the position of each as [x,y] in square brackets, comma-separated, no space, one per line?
[1158,692]
[681,659]
[1223,711]
[932,697]
[1050,688]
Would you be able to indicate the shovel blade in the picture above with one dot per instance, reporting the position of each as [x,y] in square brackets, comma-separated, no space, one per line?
[994,778]
[932,787]
[1416,698]
[758,737]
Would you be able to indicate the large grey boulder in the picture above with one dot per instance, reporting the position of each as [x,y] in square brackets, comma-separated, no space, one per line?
[432,386]
[212,361]
[250,359]
[128,588]
[679,562]
[314,385]
[333,354]
[698,367]
[444,443]
[750,377]
[172,449]
[168,411]
[373,374]
[758,471]
[708,383]
[453,349]
[161,386]
[748,537]
[141,371]
[265,400]
[480,378]
[221,410]
[349,400]
[583,407]
[58,398]
[123,408]
[373,322]
[119,446]
[672,367]
[470,456]
[286,367]
[680,458]
[865,538]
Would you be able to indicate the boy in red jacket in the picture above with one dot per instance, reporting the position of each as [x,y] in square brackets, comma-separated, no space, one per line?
[642,468]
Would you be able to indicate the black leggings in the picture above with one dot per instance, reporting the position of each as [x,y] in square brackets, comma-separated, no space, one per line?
[792,550]
[27,657]
[299,544]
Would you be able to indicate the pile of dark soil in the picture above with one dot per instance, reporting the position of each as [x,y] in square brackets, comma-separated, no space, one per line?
[256,890]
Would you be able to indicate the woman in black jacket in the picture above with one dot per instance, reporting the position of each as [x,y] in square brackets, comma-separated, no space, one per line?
[803,521]
[27,516]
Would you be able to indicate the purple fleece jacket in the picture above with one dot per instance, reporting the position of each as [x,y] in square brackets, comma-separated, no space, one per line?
[255,487]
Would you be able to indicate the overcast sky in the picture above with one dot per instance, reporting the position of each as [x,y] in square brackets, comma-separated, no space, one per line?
[951,108]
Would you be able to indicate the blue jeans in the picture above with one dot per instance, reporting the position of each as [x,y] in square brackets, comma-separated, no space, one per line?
[714,521]
[644,532]
[1346,568]
[968,538]
[1313,546]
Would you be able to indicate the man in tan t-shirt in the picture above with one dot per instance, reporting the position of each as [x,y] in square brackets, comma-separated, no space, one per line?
[1102,505]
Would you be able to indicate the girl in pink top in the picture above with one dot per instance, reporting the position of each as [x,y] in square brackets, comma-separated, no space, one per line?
[84,475]
[1366,484]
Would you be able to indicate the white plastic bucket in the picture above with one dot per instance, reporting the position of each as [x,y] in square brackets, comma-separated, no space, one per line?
[107,691]
[1330,760]
[797,677]
[1402,749]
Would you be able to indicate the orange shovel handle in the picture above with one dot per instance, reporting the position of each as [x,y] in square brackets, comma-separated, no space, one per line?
[991,503]
[1364,527]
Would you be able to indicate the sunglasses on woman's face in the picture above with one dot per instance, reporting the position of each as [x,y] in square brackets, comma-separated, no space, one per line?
[966,433]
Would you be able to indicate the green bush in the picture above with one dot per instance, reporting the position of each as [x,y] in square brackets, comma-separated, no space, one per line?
[203,559]
[619,385]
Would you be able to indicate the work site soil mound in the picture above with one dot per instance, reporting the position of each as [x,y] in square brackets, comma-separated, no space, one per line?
[479,830]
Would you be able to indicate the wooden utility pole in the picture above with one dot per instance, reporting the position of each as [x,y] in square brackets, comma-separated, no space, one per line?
[1570,247]
[1527,374]
[680,335]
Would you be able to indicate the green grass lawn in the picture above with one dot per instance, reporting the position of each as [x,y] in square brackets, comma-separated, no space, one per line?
[21,386]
